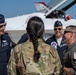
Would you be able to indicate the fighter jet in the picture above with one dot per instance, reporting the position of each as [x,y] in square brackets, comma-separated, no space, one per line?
[49,13]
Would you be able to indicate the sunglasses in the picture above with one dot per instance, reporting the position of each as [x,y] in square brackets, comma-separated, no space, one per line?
[57,28]
[2,25]
[68,32]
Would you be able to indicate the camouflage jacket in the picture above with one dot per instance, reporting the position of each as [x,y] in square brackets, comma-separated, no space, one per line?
[22,60]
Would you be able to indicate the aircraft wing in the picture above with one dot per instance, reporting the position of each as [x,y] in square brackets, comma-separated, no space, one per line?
[16,23]
[20,22]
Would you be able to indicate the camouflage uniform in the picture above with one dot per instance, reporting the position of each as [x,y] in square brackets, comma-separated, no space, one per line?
[22,60]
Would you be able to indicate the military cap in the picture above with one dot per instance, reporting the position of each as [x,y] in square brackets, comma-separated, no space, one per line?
[2,19]
[57,23]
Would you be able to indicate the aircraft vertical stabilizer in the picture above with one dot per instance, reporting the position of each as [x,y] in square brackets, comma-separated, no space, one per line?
[41,6]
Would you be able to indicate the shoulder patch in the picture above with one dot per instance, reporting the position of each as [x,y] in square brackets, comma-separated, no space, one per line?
[54,44]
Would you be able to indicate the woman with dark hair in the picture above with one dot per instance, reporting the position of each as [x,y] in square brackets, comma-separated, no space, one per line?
[34,57]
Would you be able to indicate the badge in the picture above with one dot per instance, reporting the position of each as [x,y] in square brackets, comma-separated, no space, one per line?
[74,55]
[4,43]
[54,44]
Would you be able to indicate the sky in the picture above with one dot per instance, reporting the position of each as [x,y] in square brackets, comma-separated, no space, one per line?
[12,8]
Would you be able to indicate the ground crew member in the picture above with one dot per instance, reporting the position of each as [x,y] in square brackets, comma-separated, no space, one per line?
[56,40]
[34,57]
[69,58]
[5,47]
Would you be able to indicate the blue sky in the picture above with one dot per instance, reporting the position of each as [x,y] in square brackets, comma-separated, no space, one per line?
[12,8]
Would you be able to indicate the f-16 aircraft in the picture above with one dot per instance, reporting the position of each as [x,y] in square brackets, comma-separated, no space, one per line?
[54,10]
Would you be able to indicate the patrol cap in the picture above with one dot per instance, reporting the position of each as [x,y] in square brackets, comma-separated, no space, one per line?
[2,19]
[57,23]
